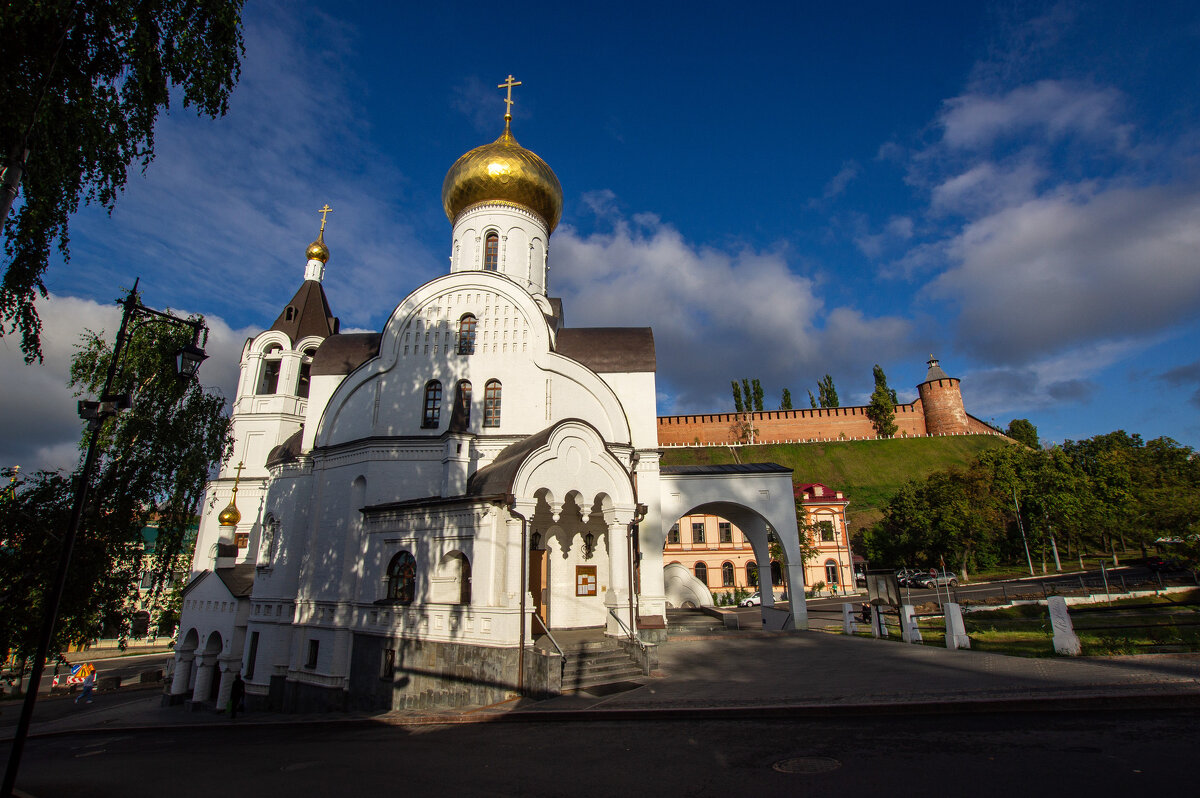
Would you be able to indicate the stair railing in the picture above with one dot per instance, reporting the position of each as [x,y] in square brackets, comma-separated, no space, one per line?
[627,630]
[553,642]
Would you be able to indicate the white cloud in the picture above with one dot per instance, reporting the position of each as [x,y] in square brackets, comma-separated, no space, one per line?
[1068,269]
[897,230]
[1051,108]
[986,187]
[717,315]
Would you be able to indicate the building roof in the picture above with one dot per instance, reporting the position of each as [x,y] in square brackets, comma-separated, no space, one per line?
[287,451]
[607,350]
[238,578]
[732,468]
[935,371]
[820,493]
[342,354]
[497,476]
[310,314]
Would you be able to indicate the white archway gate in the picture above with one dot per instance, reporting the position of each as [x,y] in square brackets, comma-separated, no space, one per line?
[755,497]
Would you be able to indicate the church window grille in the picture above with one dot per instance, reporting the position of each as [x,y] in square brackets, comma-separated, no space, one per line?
[673,535]
[433,405]
[466,334]
[727,574]
[491,252]
[402,578]
[826,528]
[698,533]
[725,531]
[491,404]
[314,649]
[701,570]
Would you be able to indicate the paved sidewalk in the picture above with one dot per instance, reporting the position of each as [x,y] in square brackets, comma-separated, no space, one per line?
[761,674]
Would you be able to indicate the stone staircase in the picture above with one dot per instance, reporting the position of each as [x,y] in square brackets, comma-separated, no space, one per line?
[692,622]
[595,663]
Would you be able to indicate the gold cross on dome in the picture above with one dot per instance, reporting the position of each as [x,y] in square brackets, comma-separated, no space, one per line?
[237,477]
[324,212]
[508,100]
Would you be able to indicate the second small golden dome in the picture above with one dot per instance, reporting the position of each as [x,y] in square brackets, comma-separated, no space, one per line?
[230,516]
[317,250]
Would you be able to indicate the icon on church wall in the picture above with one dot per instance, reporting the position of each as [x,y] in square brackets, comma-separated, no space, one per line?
[585,580]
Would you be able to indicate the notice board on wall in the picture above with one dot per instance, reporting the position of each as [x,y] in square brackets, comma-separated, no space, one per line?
[585,580]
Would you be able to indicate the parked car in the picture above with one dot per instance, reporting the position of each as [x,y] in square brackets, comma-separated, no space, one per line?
[905,576]
[755,600]
[936,580]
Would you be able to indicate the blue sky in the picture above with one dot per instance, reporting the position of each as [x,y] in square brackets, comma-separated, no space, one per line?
[781,190]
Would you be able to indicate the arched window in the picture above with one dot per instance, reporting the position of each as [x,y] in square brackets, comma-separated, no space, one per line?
[451,584]
[752,573]
[433,405]
[491,252]
[727,574]
[466,335]
[305,372]
[776,573]
[491,404]
[831,572]
[460,414]
[402,578]
[701,571]
[270,535]
[268,381]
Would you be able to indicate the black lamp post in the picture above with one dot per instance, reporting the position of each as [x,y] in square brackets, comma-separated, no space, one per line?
[95,413]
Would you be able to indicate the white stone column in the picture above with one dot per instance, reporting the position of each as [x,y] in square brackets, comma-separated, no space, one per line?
[1065,640]
[514,551]
[617,596]
[878,626]
[909,631]
[795,588]
[956,630]
[183,672]
[849,626]
[228,669]
[205,665]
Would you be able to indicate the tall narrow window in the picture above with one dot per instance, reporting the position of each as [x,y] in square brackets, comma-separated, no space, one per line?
[402,578]
[466,335]
[491,252]
[701,572]
[460,414]
[752,574]
[268,381]
[305,372]
[826,528]
[491,404]
[433,405]
[698,532]
[727,574]
[725,530]
[673,535]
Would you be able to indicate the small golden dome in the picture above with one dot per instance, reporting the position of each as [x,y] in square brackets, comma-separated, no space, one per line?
[230,516]
[503,171]
[317,250]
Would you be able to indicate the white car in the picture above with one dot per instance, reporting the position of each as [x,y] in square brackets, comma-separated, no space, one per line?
[755,600]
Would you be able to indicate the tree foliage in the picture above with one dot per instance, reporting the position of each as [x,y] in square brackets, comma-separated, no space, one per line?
[739,404]
[83,86]
[1083,497]
[812,401]
[1023,431]
[785,403]
[882,407]
[757,389]
[827,393]
[154,461]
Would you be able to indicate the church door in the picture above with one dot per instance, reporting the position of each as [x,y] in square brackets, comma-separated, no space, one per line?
[539,565]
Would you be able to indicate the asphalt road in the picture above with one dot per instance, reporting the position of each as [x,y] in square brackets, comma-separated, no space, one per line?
[1082,753]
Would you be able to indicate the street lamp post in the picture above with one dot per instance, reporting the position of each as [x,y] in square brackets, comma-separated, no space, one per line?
[95,413]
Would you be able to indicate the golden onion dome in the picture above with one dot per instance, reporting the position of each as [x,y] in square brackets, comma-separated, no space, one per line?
[230,516]
[503,171]
[317,249]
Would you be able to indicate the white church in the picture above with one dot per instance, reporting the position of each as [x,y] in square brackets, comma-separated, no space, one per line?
[406,511]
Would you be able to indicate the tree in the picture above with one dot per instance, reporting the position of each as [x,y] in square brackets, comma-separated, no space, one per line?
[827,393]
[738,404]
[785,403]
[882,407]
[1023,431]
[155,459]
[83,86]
[812,400]
[758,395]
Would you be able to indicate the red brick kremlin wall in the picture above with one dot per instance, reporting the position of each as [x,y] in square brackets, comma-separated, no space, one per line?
[939,411]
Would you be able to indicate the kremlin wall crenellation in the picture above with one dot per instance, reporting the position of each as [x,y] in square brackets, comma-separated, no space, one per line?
[937,410]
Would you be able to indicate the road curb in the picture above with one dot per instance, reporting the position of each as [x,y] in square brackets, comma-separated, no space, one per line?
[1141,701]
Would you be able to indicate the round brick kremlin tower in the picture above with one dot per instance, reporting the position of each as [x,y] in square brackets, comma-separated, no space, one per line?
[942,402]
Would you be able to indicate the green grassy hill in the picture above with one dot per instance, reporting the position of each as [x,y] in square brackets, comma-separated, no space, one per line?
[867,472]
